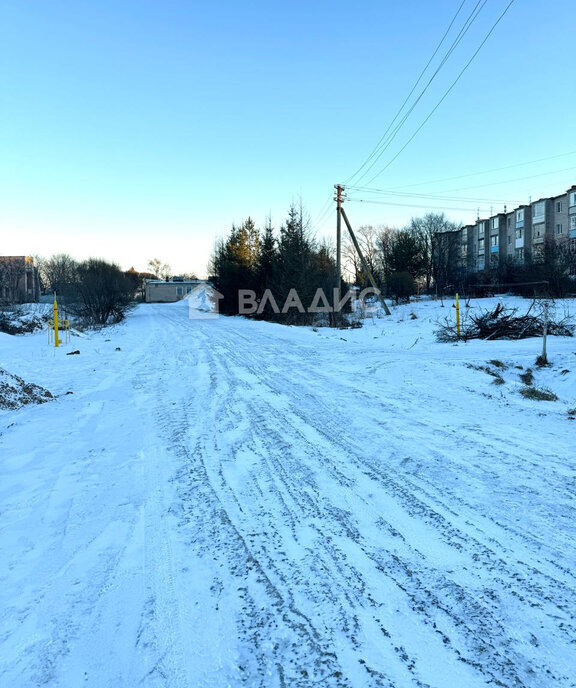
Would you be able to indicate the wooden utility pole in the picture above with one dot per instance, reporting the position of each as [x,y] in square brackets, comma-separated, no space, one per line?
[365,267]
[338,199]
[341,214]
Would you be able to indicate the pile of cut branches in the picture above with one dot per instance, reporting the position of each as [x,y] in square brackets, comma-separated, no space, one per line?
[504,323]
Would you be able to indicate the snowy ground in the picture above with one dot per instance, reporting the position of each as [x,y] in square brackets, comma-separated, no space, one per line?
[231,503]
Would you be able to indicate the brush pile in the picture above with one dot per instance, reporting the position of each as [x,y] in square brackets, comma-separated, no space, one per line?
[504,323]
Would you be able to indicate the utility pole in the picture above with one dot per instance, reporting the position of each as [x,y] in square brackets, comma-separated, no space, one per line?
[364,263]
[338,199]
[341,214]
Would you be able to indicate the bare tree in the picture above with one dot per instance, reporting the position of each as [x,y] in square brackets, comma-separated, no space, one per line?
[386,238]
[431,230]
[368,238]
[445,259]
[159,269]
[58,271]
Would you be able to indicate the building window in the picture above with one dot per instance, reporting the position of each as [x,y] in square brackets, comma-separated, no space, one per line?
[572,198]
[559,206]
[520,217]
[538,210]
[179,291]
[519,233]
[538,230]
[559,229]
[480,245]
[573,222]
[494,240]
[519,254]
[495,222]
[508,222]
[509,240]
[480,227]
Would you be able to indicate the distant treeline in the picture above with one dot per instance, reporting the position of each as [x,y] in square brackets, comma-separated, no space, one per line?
[429,255]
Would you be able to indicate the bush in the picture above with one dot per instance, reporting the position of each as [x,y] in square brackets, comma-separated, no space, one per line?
[527,377]
[102,293]
[542,394]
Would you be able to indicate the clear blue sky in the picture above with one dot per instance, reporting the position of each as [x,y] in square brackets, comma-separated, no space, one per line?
[139,128]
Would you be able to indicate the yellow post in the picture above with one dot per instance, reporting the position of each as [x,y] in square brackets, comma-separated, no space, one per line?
[57,342]
[457,316]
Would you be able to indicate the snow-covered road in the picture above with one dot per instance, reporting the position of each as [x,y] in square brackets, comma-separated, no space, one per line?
[231,503]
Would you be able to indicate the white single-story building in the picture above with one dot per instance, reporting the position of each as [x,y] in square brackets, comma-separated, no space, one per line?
[168,291]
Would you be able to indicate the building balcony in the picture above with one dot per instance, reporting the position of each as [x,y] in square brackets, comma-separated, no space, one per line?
[493,249]
[519,243]
[538,240]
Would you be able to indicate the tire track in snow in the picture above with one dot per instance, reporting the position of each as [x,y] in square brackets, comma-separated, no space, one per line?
[286,528]
[491,561]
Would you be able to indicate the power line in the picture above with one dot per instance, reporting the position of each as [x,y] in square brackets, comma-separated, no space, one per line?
[376,148]
[509,181]
[415,205]
[493,27]
[468,23]
[432,196]
[475,174]
[325,207]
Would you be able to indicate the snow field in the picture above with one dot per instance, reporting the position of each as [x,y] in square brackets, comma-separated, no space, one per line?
[237,503]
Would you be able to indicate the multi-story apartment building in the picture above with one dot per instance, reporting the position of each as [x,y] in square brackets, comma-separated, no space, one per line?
[19,281]
[519,235]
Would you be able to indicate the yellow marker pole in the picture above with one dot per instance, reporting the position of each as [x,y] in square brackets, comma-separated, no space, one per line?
[56,340]
[457,316]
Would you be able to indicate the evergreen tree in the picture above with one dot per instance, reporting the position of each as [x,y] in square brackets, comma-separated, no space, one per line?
[234,264]
[295,269]
[267,263]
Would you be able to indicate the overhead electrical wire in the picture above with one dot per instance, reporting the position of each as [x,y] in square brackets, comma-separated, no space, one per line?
[376,148]
[432,196]
[411,205]
[509,181]
[383,145]
[448,91]
[376,151]
[323,214]
[475,174]
[437,195]
[389,136]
